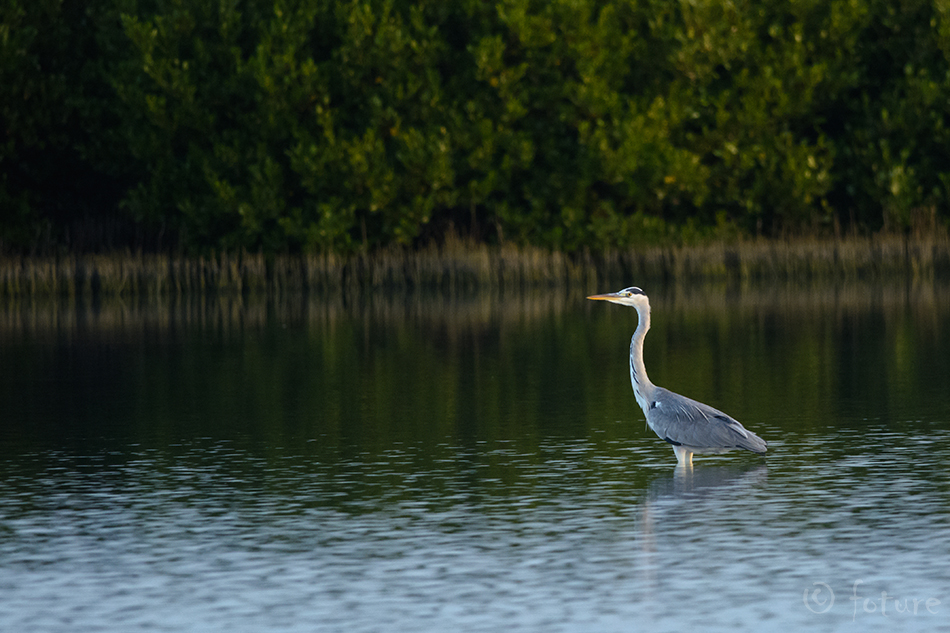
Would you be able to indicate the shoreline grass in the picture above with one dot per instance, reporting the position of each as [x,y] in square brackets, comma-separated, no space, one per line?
[458,266]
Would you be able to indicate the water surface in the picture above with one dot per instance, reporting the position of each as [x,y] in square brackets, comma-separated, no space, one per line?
[475,463]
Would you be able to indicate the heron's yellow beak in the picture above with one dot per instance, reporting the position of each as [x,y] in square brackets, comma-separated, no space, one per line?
[606,297]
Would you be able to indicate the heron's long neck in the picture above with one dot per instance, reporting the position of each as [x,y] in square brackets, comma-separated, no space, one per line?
[642,387]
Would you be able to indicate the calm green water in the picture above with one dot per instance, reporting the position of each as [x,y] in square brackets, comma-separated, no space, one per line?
[381,463]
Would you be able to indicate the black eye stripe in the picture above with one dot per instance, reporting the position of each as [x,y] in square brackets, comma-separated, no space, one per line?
[632,290]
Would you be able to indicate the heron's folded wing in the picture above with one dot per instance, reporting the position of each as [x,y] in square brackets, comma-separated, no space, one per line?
[680,420]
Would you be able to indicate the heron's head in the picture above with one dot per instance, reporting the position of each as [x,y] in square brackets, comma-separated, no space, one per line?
[631,296]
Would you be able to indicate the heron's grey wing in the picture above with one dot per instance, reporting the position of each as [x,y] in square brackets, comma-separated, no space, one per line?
[683,421]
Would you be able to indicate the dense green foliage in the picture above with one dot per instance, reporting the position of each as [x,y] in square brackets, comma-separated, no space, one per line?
[335,125]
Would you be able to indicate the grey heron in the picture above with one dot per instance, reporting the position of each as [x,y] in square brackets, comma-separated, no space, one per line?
[689,426]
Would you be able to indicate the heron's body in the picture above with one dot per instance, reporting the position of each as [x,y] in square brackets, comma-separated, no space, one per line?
[689,426]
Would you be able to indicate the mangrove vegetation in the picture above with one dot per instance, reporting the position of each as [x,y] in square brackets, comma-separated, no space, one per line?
[328,129]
